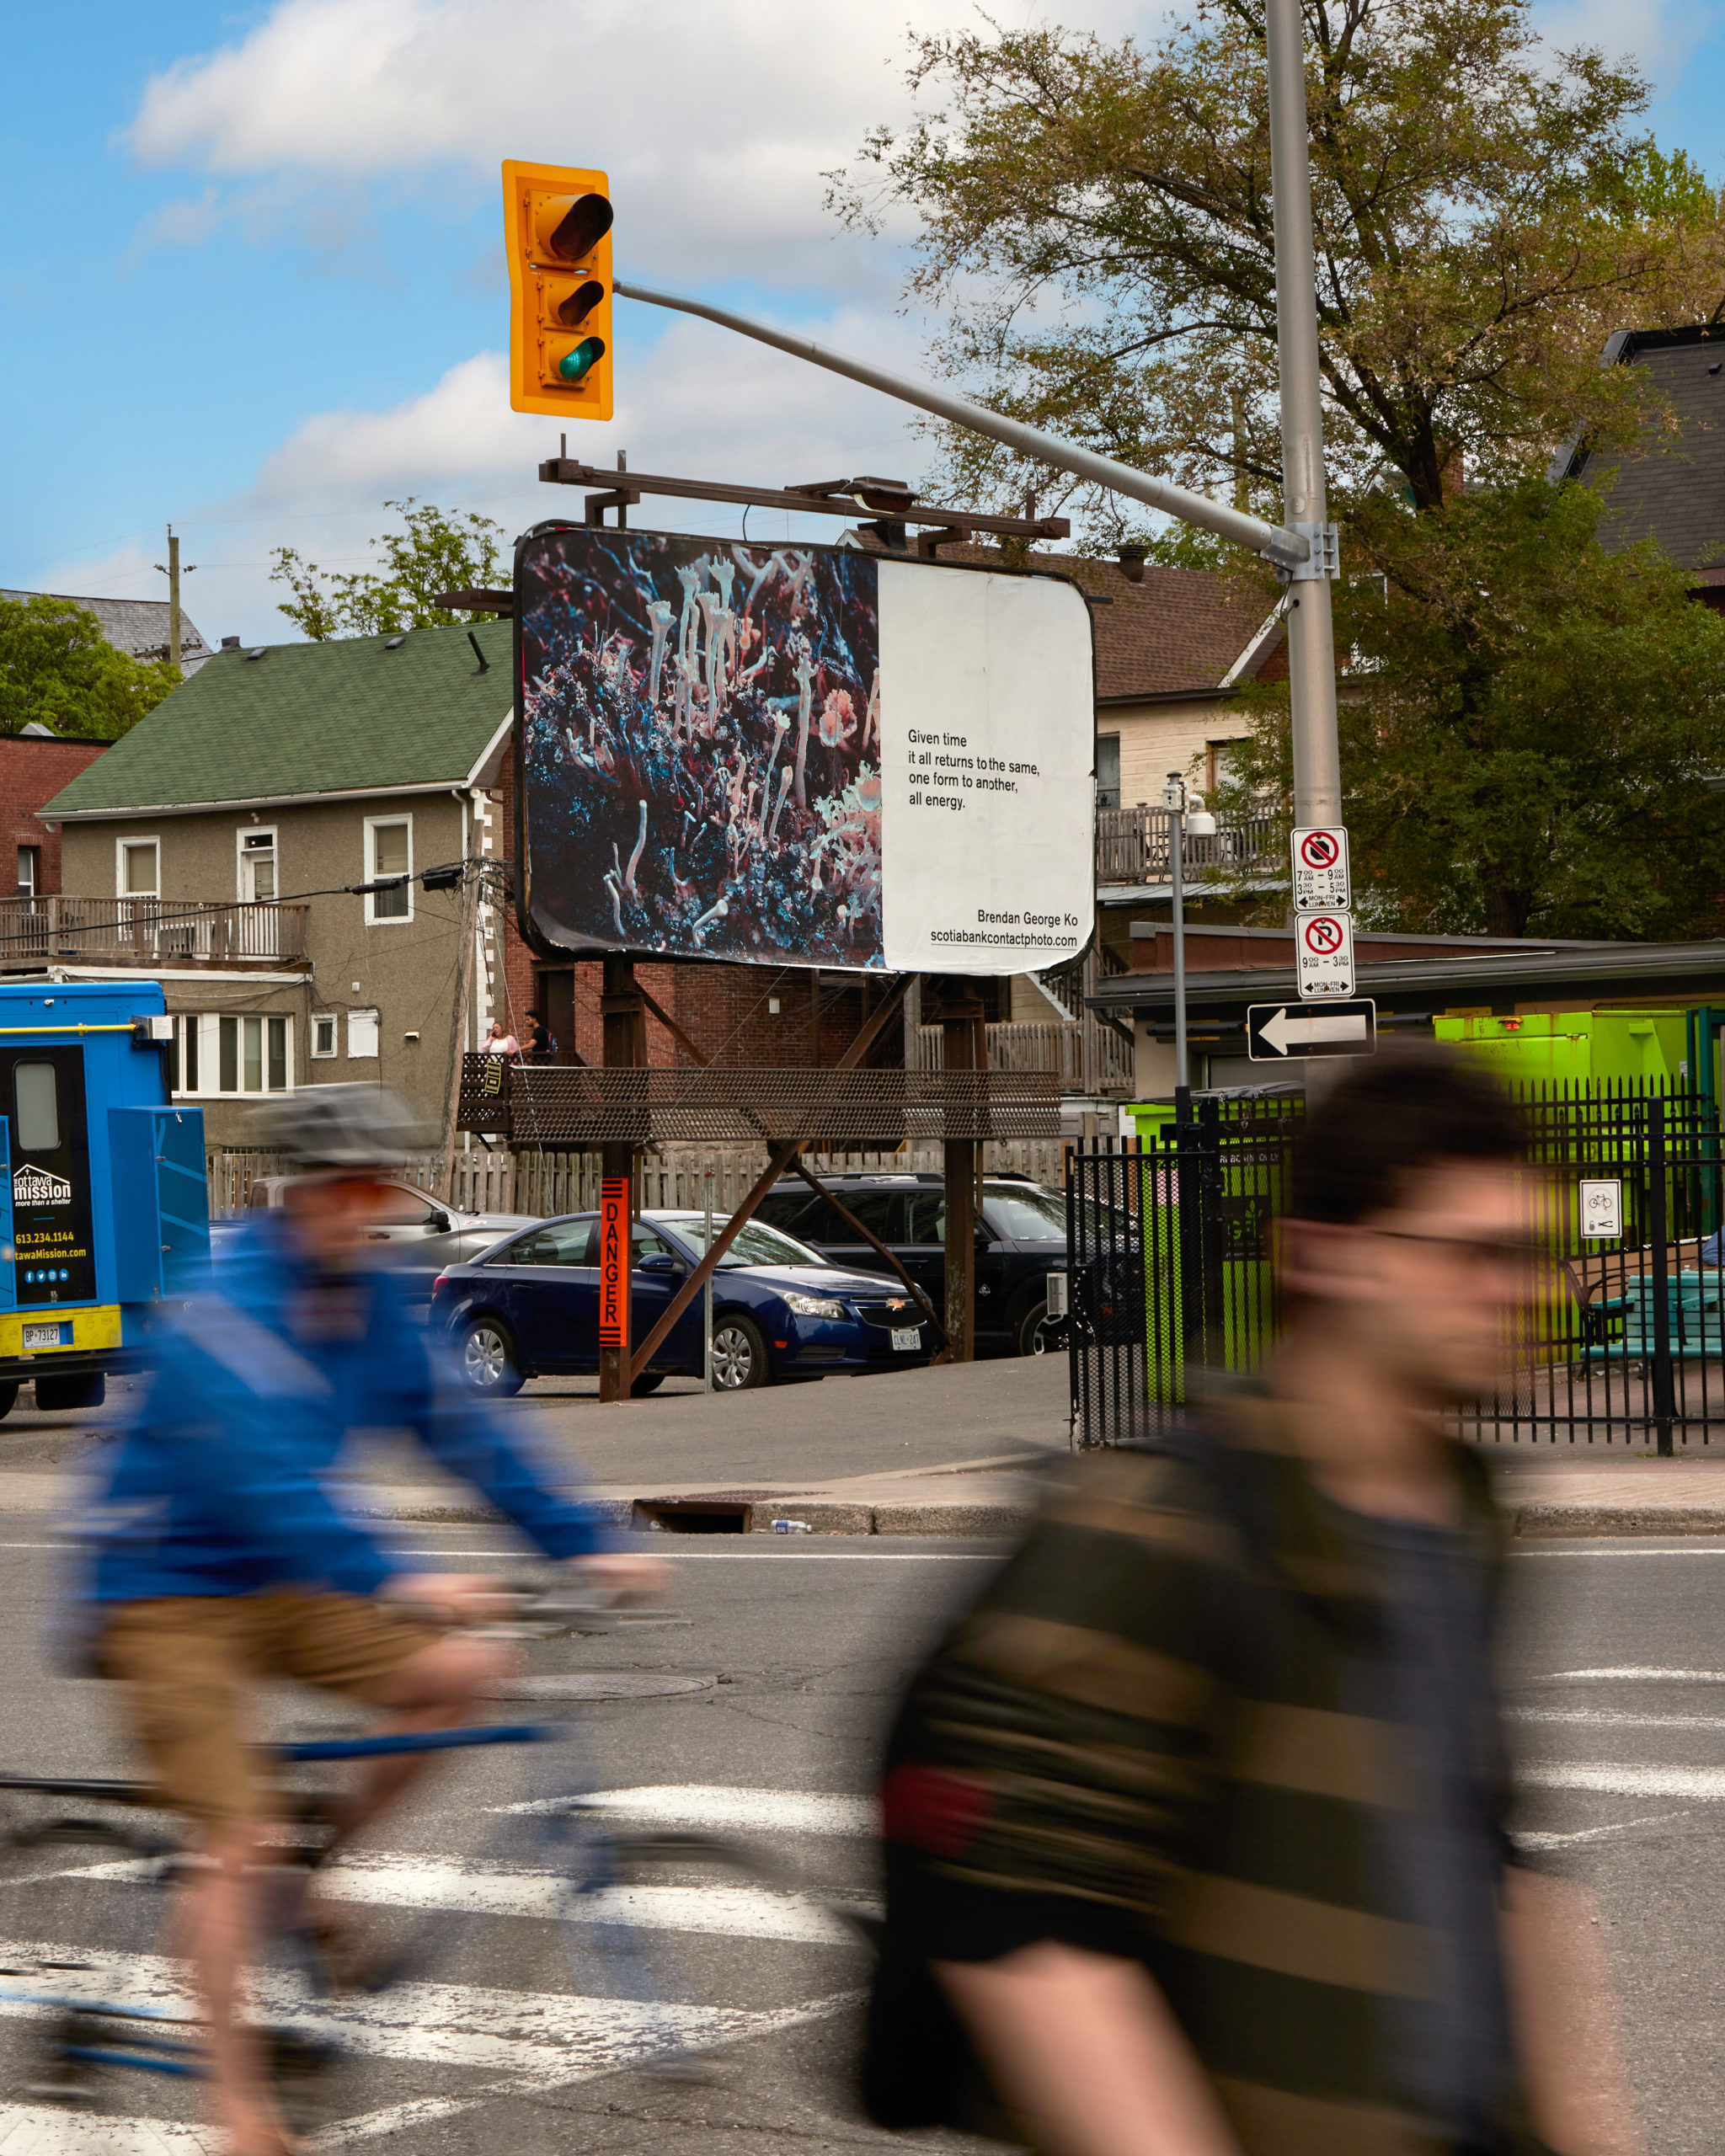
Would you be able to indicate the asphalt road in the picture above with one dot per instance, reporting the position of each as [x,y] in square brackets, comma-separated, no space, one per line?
[1614,1676]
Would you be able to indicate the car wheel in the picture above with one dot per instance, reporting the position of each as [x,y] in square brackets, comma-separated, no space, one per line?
[650,1383]
[738,1355]
[489,1358]
[1035,1330]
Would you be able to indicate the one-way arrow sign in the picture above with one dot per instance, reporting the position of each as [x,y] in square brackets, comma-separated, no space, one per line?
[1275,1032]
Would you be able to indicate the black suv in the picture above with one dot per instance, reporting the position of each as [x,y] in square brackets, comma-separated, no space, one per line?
[1021,1238]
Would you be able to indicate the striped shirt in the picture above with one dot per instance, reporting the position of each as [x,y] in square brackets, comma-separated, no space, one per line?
[1154,1736]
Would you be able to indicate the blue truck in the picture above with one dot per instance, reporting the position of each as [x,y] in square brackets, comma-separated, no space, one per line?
[104,1204]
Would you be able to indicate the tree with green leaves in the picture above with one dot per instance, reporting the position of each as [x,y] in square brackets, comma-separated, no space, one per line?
[1526,721]
[1095,231]
[436,552]
[57,670]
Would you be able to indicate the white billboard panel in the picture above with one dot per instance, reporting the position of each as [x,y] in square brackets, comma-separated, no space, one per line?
[799,755]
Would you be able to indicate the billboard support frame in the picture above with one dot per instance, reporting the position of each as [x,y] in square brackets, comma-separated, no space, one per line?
[778,1159]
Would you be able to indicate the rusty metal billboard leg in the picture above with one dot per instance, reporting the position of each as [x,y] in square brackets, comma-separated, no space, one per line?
[624,1017]
[966,1049]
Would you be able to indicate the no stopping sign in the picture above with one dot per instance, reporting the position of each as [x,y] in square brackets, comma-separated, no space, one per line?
[1319,862]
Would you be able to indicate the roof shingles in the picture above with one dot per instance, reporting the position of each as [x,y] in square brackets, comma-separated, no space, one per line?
[344,717]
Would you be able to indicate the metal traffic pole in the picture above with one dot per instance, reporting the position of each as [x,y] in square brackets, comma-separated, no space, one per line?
[1312,645]
[706,1291]
[1184,822]
[1174,800]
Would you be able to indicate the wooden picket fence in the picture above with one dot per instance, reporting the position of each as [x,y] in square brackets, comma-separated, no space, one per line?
[542,1184]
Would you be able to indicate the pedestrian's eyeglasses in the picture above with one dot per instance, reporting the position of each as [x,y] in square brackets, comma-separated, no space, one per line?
[1512,1250]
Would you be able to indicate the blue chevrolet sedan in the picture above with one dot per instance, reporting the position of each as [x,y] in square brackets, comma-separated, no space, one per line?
[529,1307]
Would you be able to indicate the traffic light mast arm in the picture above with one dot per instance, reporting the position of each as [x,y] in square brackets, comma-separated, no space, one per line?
[1288,550]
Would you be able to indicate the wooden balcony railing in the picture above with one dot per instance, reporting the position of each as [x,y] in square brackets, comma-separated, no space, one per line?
[148,932]
[1132,847]
[1087,1057]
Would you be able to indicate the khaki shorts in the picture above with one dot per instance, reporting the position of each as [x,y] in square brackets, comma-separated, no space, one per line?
[188,1661]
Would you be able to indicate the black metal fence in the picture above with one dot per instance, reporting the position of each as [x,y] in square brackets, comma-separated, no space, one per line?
[1620,1338]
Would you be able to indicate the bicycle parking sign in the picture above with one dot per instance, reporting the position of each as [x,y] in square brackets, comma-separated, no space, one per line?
[1324,955]
[1320,859]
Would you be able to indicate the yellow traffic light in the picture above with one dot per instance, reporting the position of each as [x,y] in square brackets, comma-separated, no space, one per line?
[556,223]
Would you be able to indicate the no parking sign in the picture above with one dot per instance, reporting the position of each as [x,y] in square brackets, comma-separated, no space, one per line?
[1323,950]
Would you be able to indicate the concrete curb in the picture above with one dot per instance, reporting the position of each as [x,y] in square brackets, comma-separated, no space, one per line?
[1534,1522]
[755,1516]
[826,1516]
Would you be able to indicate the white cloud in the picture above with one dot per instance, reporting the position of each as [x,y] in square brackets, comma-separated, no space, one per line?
[1657,34]
[714,119]
[702,403]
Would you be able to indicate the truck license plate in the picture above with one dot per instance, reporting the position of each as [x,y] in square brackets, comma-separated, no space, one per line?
[41,1336]
[907,1338]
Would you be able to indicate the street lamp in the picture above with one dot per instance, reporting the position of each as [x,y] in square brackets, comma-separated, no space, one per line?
[1184,821]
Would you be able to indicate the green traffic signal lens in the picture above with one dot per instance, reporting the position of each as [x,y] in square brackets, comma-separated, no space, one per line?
[578,365]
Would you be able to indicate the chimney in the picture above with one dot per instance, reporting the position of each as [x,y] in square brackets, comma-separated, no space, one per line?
[1131,561]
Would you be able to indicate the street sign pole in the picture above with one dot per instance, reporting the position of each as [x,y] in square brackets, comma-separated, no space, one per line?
[1311,649]
[1177,849]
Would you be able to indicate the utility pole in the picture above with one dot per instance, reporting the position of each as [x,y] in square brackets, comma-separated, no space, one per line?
[1312,645]
[623,1019]
[170,569]
[965,1041]
[173,600]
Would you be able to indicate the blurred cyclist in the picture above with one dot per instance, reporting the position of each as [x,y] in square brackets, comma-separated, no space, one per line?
[222,1557]
[1195,1829]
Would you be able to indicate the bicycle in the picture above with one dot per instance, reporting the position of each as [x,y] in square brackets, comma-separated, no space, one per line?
[371,2028]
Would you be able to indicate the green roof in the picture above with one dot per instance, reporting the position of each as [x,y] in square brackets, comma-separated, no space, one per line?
[345,717]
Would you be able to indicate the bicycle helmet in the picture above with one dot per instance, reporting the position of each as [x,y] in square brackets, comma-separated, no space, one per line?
[337,1129]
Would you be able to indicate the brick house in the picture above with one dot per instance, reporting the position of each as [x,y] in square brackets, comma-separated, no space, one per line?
[34,765]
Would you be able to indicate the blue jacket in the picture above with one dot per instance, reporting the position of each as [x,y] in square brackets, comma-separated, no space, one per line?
[221,1484]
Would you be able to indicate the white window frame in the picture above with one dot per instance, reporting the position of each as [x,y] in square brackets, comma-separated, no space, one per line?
[332,1020]
[374,1020]
[142,838]
[373,918]
[205,1026]
[243,832]
[32,856]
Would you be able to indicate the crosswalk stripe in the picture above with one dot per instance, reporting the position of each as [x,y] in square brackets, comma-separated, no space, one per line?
[1615,1778]
[719,1810]
[535,2036]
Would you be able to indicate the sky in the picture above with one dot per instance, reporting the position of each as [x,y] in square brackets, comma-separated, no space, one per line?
[252,280]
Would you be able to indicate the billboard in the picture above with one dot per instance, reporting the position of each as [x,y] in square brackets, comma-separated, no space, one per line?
[802,754]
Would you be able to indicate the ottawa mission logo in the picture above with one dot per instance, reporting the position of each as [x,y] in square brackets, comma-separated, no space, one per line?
[38,1187]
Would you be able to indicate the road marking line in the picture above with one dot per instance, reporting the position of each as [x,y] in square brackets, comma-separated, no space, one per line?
[1592,1834]
[1615,1778]
[404,1882]
[1595,1716]
[711,1805]
[1706,1551]
[1632,1674]
[573,2034]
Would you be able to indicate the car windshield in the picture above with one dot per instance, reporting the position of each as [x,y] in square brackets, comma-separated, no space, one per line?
[754,1243]
[1026,1214]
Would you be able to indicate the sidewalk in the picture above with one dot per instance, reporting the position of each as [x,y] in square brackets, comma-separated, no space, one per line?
[959,1451]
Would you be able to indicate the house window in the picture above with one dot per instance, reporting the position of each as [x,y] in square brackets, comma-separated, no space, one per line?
[389,852]
[324,1024]
[253,1052]
[1108,770]
[29,870]
[137,868]
[1222,762]
[257,867]
[361,1035]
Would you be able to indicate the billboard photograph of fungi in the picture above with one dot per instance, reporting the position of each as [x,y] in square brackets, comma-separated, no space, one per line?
[699,738]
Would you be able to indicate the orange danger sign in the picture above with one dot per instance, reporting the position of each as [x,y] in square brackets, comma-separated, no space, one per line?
[614,1262]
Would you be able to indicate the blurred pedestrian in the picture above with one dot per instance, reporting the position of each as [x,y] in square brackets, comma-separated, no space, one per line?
[1195,1824]
[500,1041]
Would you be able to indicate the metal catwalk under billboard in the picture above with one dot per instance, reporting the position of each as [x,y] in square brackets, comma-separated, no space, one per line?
[802,754]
